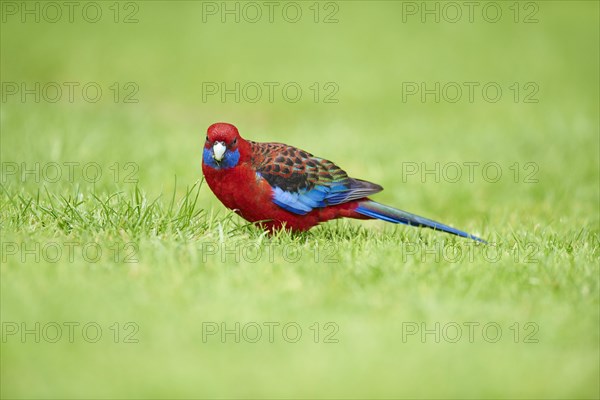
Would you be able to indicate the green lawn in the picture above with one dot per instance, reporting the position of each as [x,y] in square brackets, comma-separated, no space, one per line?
[123,276]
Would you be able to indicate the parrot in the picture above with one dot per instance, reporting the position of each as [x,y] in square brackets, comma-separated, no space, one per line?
[277,186]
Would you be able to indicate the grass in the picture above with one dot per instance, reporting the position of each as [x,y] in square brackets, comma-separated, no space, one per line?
[145,252]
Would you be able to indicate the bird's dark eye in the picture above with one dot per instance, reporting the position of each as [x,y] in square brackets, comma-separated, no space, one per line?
[207,138]
[234,141]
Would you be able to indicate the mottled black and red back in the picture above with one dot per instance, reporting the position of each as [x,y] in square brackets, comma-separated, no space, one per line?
[302,181]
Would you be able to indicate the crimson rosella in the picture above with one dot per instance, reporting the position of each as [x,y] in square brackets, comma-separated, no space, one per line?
[280,186]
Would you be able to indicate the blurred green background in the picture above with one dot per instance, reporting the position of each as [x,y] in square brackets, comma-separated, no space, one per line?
[166,55]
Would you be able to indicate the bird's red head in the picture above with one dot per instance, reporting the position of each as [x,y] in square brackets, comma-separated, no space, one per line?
[222,146]
[222,132]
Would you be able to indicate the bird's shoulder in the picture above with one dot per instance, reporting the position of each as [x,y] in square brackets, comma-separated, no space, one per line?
[265,152]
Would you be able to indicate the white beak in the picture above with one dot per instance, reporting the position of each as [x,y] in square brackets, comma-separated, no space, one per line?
[219,151]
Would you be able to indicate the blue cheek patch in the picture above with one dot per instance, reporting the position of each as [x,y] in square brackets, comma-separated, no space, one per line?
[230,159]
[207,158]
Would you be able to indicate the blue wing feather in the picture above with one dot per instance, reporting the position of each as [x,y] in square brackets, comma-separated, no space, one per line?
[305,200]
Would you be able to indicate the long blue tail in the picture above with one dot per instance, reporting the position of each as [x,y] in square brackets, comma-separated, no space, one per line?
[376,210]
